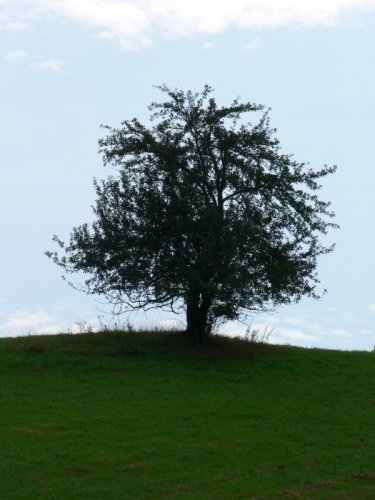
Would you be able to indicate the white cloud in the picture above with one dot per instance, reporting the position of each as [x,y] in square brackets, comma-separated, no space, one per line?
[371,307]
[53,65]
[26,319]
[233,329]
[169,324]
[18,15]
[17,26]
[137,23]
[263,329]
[254,45]
[340,333]
[49,329]
[302,320]
[16,55]
[298,335]
[329,320]
[348,316]
[331,309]
[366,331]
[21,322]
[208,45]
[316,329]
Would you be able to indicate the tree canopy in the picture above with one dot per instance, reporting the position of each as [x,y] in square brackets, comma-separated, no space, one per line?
[203,212]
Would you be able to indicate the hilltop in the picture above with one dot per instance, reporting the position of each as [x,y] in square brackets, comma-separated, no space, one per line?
[149,415]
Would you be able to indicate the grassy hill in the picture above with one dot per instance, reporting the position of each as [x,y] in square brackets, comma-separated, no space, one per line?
[148,416]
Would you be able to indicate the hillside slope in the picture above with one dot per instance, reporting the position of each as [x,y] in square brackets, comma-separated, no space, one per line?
[148,415]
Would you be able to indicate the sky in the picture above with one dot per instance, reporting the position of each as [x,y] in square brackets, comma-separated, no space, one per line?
[67,67]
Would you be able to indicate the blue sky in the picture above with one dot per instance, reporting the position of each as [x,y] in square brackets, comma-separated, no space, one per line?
[67,67]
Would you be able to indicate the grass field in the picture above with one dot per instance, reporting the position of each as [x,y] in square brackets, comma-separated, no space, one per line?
[148,416]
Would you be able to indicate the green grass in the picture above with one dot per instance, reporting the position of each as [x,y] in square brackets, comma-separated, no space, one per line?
[148,416]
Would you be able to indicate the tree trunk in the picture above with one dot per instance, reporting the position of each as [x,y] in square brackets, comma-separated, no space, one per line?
[197,308]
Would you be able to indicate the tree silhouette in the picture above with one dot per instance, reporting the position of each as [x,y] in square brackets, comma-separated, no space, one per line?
[204,213]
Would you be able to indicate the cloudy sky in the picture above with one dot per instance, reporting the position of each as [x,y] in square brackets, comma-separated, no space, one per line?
[69,66]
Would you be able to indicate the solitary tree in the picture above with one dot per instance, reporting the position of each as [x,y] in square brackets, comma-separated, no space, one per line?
[204,212]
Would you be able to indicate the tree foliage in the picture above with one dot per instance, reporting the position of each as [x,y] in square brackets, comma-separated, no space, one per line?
[204,212]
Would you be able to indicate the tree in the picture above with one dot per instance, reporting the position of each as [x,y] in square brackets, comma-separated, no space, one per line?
[204,213]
